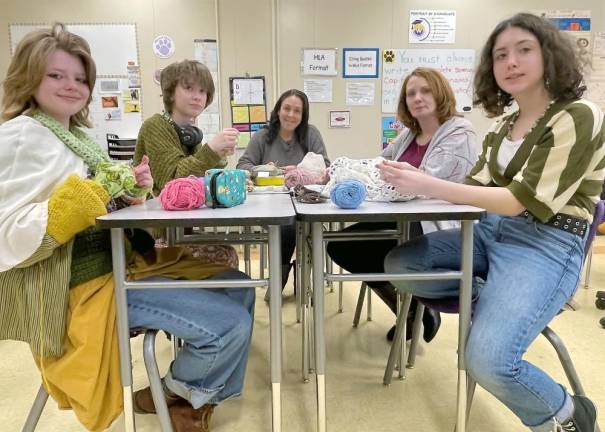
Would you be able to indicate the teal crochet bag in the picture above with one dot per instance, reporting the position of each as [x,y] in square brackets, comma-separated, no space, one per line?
[225,187]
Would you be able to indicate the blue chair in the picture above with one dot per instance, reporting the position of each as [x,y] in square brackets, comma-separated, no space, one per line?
[450,305]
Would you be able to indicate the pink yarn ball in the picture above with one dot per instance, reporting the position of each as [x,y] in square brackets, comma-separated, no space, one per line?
[299,176]
[183,194]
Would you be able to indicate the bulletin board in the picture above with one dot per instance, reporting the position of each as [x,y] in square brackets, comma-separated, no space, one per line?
[248,106]
[457,65]
[116,108]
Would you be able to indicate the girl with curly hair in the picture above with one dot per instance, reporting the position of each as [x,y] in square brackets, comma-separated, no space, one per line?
[539,176]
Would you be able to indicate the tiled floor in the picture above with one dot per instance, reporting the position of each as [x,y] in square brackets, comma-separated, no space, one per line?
[357,400]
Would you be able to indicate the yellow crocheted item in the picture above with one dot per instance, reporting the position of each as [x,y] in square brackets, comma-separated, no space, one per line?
[269,181]
[74,206]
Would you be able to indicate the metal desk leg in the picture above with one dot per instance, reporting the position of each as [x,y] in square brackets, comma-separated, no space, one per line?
[304,292]
[119,276]
[340,227]
[330,226]
[247,263]
[465,321]
[275,322]
[318,321]
[297,270]
[262,261]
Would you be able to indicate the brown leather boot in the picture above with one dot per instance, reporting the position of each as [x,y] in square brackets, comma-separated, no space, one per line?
[206,412]
[187,419]
[142,401]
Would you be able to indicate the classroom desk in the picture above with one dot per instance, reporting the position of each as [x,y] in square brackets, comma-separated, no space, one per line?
[265,210]
[312,217]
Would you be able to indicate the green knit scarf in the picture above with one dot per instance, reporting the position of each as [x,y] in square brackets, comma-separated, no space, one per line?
[117,179]
[75,139]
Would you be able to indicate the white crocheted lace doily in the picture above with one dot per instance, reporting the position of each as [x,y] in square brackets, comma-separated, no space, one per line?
[365,171]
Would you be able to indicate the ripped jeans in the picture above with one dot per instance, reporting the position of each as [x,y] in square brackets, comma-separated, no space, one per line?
[524,273]
[216,327]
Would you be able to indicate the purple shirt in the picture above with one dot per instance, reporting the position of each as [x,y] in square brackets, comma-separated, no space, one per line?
[414,154]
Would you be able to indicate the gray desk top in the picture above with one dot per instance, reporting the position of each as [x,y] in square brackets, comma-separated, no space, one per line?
[370,211]
[273,209]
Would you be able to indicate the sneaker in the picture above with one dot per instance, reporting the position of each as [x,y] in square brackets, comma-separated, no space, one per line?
[583,419]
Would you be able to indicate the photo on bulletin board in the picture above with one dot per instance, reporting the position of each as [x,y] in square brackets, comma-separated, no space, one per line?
[248,106]
[340,119]
[109,101]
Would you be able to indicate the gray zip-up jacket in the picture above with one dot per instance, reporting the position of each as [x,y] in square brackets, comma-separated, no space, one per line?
[450,155]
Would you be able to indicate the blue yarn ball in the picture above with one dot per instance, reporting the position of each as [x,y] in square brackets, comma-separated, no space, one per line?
[348,194]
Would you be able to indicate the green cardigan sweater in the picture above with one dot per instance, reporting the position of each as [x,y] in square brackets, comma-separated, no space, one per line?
[560,165]
[168,158]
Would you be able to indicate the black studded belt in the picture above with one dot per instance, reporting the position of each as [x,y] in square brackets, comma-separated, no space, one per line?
[565,222]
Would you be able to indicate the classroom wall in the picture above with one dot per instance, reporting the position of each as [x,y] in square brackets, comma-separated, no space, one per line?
[183,20]
[383,24]
[245,42]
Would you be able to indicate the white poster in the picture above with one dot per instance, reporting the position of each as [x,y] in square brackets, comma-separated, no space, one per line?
[318,90]
[359,93]
[458,65]
[319,61]
[360,62]
[249,91]
[206,51]
[432,26]
[596,83]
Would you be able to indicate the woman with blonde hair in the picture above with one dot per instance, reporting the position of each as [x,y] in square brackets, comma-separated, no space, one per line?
[56,267]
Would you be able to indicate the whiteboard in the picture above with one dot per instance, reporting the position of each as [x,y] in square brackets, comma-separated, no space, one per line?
[112,45]
[458,66]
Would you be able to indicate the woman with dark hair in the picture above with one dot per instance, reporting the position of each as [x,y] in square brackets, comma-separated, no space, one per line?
[436,140]
[539,176]
[288,137]
[285,142]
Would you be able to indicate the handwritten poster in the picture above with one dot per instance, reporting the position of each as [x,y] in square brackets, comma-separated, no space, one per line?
[457,65]
[248,106]
[596,82]
[206,52]
[249,91]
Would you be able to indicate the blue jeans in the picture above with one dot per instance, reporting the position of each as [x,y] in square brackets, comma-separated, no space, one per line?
[216,327]
[524,273]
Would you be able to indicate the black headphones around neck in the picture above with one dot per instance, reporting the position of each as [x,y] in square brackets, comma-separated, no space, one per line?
[189,135]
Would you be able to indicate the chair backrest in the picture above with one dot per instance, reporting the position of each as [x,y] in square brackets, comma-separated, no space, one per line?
[120,149]
[450,304]
[598,218]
